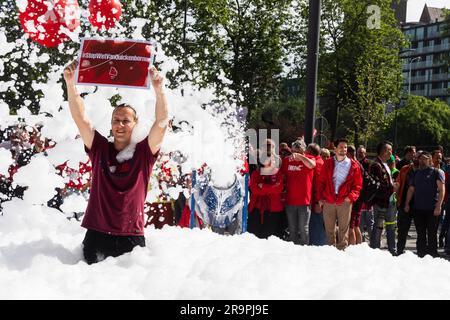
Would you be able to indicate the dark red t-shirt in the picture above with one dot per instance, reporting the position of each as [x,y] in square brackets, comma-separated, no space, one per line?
[116,202]
[298,181]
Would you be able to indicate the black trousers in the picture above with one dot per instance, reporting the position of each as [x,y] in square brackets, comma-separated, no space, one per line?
[403,225]
[427,227]
[97,246]
[272,225]
[445,224]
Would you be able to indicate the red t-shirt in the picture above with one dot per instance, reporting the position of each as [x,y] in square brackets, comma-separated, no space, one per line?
[298,181]
[116,202]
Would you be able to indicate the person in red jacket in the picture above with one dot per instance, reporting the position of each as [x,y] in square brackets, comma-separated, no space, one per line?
[338,186]
[317,236]
[299,171]
[266,207]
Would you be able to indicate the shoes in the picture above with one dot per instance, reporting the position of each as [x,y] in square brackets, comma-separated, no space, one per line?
[394,253]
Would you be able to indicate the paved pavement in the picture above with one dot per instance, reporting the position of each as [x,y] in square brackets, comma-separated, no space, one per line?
[411,242]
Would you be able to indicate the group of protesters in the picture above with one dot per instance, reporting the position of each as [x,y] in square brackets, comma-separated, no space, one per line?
[317,196]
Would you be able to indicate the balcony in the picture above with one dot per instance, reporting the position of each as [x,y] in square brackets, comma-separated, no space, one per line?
[440,92]
[423,65]
[419,79]
[440,77]
[434,34]
[418,93]
[433,49]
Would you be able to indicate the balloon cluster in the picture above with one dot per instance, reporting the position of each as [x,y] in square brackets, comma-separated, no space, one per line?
[50,22]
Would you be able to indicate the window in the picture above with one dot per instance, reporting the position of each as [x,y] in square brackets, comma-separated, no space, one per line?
[419,33]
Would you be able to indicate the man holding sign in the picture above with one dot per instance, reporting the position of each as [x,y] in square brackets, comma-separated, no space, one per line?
[114,217]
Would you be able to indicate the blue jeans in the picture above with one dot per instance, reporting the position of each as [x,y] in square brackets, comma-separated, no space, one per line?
[367,222]
[317,235]
[298,223]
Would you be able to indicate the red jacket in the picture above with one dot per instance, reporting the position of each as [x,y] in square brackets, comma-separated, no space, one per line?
[268,197]
[317,172]
[350,188]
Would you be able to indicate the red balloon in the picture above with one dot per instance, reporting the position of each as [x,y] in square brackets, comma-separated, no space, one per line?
[44,20]
[104,13]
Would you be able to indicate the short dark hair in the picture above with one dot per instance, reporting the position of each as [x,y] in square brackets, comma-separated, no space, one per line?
[381,147]
[126,105]
[314,149]
[339,140]
[434,152]
[408,149]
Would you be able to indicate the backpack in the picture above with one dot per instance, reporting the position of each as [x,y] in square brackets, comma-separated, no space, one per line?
[370,186]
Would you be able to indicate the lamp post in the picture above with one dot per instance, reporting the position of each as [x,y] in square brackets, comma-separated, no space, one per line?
[409,80]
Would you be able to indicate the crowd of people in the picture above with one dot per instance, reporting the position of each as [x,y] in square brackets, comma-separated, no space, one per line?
[316,196]
[304,194]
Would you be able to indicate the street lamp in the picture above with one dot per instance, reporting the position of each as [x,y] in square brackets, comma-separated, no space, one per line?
[409,81]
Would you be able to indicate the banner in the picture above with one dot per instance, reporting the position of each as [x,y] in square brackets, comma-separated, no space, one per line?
[115,62]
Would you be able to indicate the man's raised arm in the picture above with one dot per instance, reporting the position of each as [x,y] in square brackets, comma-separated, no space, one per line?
[159,127]
[76,106]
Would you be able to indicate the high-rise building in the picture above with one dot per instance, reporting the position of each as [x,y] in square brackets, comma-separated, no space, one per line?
[425,68]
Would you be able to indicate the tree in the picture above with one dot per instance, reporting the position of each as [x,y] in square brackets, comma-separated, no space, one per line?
[167,14]
[237,46]
[359,65]
[287,115]
[423,122]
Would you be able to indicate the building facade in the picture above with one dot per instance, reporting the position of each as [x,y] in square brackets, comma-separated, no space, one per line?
[425,68]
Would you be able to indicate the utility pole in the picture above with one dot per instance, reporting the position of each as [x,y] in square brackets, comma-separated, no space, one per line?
[311,68]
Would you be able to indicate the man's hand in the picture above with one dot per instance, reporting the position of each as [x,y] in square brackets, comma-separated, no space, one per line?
[159,127]
[437,211]
[347,200]
[69,73]
[407,208]
[157,79]
[317,208]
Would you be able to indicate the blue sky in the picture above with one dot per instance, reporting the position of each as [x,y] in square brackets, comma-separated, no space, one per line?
[415,7]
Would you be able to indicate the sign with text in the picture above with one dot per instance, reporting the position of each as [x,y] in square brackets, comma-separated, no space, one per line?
[112,62]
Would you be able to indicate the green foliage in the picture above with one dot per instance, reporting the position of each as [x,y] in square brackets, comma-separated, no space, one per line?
[236,46]
[423,122]
[287,115]
[359,66]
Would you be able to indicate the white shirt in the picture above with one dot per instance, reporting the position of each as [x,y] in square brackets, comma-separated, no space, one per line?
[341,170]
